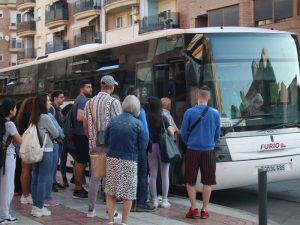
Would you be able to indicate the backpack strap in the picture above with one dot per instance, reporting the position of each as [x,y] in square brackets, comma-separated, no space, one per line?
[7,143]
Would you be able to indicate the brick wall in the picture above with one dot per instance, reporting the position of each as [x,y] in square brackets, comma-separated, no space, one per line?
[4,45]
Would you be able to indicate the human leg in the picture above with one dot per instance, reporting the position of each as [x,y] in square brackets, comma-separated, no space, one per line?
[126,210]
[43,177]
[26,178]
[153,166]
[110,204]
[7,185]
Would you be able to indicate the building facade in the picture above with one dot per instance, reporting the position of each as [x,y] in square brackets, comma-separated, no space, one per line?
[33,29]
[10,44]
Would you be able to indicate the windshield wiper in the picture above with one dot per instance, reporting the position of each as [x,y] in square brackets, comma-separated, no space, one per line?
[254,116]
[283,125]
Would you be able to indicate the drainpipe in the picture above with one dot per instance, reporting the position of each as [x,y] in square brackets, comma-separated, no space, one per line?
[102,23]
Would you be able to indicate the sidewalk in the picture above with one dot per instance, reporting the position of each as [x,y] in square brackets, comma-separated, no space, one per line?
[73,212]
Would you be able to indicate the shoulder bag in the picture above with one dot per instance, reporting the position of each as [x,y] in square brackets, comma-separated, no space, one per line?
[169,151]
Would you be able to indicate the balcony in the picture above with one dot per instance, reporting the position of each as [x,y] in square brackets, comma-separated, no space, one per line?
[57,15]
[23,5]
[15,45]
[112,5]
[87,38]
[26,56]
[26,28]
[86,8]
[56,46]
[161,21]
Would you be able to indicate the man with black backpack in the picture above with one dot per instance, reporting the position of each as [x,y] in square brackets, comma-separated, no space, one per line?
[200,130]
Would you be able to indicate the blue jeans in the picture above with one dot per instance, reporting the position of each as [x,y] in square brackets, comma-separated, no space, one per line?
[41,174]
[68,147]
[56,156]
[142,186]
[53,171]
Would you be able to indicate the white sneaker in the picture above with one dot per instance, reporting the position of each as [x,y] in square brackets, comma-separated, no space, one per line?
[155,202]
[26,200]
[9,220]
[164,204]
[37,212]
[91,213]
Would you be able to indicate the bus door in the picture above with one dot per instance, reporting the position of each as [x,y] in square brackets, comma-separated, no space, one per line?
[144,79]
[169,81]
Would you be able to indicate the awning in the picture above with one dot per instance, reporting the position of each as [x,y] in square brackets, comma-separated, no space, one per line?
[82,23]
[58,29]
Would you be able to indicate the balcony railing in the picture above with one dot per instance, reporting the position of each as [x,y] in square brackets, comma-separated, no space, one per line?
[28,53]
[84,5]
[14,44]
[87,38]
[56,12]
[20,2]
[26,26]
[56,45]
[110,1]
[165,20]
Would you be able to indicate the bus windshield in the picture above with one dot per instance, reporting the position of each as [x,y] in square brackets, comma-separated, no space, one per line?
[254,75]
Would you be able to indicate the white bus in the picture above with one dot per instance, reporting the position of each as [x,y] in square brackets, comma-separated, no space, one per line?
[253,74]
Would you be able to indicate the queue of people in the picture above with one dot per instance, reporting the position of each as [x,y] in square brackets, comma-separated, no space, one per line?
[127,172]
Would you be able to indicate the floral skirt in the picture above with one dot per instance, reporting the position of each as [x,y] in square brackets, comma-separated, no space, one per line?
[121,178]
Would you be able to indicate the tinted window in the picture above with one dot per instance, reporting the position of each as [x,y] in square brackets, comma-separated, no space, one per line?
[283,9]
[228,16]
[262,10]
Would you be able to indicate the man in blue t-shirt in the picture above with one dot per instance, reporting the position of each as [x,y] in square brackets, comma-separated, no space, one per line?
[80,140]
[200,144]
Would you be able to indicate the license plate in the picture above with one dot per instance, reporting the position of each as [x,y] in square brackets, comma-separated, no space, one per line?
[274,168]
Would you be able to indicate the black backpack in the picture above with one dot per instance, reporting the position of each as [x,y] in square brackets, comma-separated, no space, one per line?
[3,148]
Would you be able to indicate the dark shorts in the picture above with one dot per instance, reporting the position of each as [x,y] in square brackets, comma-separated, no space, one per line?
[203,160]
[81,143]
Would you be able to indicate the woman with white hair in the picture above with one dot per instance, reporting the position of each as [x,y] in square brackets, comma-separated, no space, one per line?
[125,139]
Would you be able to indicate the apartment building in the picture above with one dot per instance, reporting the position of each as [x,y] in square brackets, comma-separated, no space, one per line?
[276,14]
[10,44]
[48,26]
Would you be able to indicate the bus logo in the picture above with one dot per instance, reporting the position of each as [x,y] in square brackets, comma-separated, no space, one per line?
[272,146]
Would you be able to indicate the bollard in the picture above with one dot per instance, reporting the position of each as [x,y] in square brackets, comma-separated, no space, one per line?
[262,197]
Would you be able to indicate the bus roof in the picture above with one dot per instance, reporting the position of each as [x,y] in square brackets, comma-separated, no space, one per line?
[88,48]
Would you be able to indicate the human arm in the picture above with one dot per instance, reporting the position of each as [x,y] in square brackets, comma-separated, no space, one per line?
[48,125]
[218,128]
[115,108]
[12,130]
[142,117]
[168,126]
[85,120]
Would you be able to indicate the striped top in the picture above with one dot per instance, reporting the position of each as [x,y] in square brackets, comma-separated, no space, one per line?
[103,108]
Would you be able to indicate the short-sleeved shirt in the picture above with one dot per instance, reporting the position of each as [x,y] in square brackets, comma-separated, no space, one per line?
[79,103]
[104,107]
[11,130]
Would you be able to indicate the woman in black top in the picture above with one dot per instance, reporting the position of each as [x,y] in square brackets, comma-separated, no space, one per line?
[155,123]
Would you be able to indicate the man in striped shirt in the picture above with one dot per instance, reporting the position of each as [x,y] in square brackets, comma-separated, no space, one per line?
[97,113]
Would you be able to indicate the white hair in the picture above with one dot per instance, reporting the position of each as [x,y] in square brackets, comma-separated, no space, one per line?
[131,104]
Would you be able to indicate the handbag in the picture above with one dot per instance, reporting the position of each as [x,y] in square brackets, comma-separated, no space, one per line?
[168,149]
[100,137]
